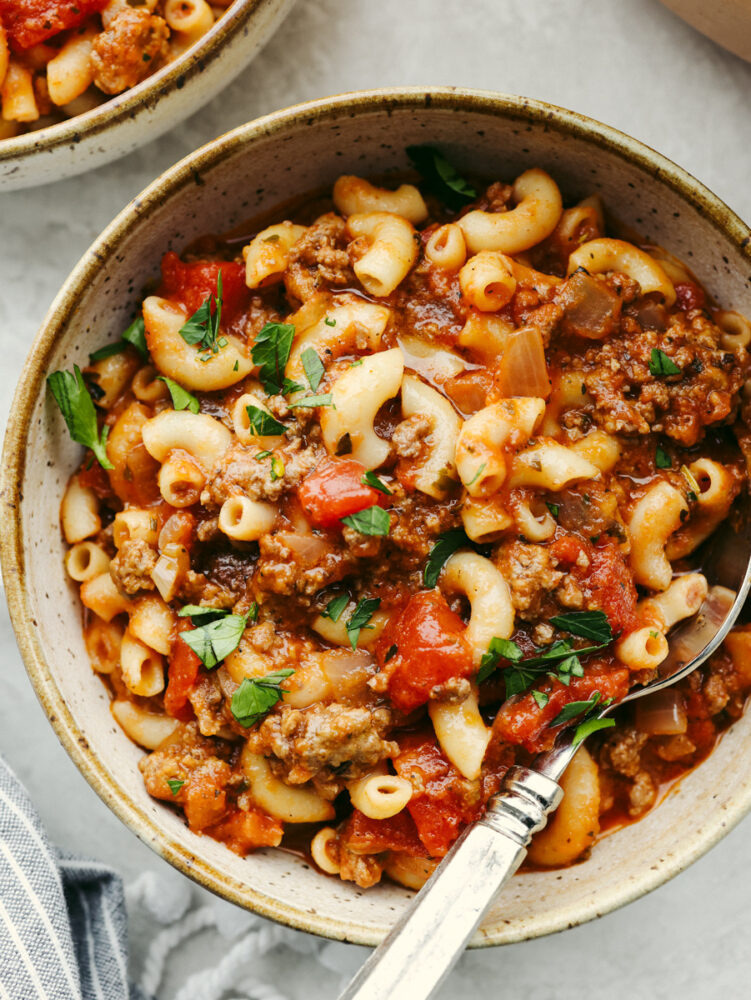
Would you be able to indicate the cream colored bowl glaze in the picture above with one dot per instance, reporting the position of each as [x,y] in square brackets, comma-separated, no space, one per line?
[144,112]
[247,171]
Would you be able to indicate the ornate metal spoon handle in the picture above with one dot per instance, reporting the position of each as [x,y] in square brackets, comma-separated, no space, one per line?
[425,944]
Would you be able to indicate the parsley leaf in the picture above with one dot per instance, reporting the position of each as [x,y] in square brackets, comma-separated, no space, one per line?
[662,459]
[335,607]
[256,696]
[587,624]
[271,352]
[175,785]
[554,508]
[589,726]
[371,479]
[262,423]
[213,642]
[574,708]
[440,177]
[106,352]
[202,328]
[540,698]
[446,546]
[314,370]
[135,335]
[200,614]
[391,653]
[181,398]
[373,521]
[660,364]
[499,649]
[77,408]
[323,400]
[360,617]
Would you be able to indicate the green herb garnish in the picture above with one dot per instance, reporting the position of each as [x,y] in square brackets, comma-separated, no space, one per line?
[256,696]
[662,459]
[371,479]
[311,401]
[335,607]
[175,785]
[213,642]
[660,364]
[262,423]
[441,177]
[499,649]
[271,352]
[587,624]
[313,366]
[202,328]
[181,398]
[445,547]
[360,617]
[77,408]
[373,521]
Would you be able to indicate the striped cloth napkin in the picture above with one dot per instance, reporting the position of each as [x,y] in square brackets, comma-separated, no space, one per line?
[63,926]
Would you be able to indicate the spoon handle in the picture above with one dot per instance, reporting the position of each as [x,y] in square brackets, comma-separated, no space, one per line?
[426,943]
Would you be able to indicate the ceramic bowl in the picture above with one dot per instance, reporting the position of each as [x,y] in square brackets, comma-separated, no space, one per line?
[144,112]
[240,175]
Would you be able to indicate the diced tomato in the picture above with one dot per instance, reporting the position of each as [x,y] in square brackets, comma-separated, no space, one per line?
[203,796]
[95,478]
[567,549]
[608,584]
[430,649]
[373,836]
[29,22]
[334,489]
[439,808]
[191,284]
[182,674]
[522,721]
[243,831]
[689,295]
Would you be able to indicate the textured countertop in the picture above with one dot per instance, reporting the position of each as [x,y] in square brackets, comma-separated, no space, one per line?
[632,65]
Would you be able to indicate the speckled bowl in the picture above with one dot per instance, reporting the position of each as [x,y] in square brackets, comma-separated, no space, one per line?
[144,112]
[247,171]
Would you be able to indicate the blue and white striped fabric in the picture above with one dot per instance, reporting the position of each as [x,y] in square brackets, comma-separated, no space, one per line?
[63,929]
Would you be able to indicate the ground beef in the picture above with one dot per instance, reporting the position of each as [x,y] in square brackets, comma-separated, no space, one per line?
[207,701]
[361,546]
[129,50]
[319,259]
[178,759]
[325,743]
[642,794]
[131,568]
[409,434]
[622,752]
[628,399]
[282,571]
[453,692]
[530,571]
[716,694]
[239,473]
[362,869]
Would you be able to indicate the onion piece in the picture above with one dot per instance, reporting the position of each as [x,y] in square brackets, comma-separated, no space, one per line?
[592,309]
[347,671]
[661,714]
[523,370]
[309,549]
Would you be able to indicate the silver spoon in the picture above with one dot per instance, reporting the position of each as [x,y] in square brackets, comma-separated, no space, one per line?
[428,940]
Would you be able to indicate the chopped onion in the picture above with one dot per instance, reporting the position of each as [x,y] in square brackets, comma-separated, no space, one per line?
[523,371]
[308,548]
[347,670]
[661,714]
[592,309]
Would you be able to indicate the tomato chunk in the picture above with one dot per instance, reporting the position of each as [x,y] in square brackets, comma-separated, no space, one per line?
[689,295]
[243,832]
[182,674]
[430,649]
[29,22]
[609,586]
[439,806]
[373,836]
[191,284]
[522,721]
[334,489]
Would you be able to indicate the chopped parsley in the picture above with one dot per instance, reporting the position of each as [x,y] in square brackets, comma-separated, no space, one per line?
[313,367]
[107,351]
[589,726]
[202,329]
[135,335]
[371,479]
[216,640]
[310,401]
[499,649]
[372,521]
[262,423]
[77,408]
[391,653]
[446,546]
[277,468]
[554,508]
[329,321]
[660,364]
[271,352]
[181,398]
[440,177]
[662,459]
[261,455]
[587,624]
[360,617]
[335,607]
[540,698]
[256,696]
[175,785]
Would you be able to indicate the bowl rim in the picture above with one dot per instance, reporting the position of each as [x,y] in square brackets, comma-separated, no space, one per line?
[120,107]
[31,384]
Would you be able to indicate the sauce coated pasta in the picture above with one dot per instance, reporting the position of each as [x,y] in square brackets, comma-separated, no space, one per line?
[59,58]
[376,506]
